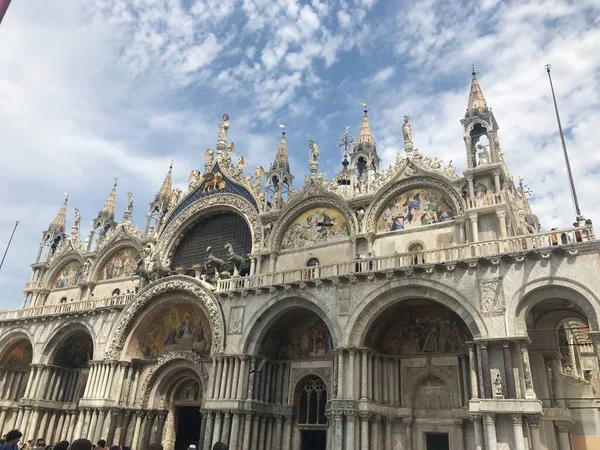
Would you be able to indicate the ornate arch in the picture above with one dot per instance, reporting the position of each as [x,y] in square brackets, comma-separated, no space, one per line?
[260,323]
[430,369]
[162,366]
[396,291]
[537,291]
[58,264]
[178,283]
[324,373]
[108,251]
[377,206]
[175,229]
[487,125]
[13,336]
[60,333]
[290,215]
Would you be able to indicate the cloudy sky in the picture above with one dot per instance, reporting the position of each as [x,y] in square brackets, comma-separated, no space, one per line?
[115,88]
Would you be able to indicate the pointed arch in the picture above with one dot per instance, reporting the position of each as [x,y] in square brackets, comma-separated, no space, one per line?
[110,250]
[58,264]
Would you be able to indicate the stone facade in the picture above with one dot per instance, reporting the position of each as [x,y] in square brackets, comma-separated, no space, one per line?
[409,308]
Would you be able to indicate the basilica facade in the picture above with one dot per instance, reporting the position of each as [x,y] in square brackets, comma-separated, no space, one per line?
[406,308]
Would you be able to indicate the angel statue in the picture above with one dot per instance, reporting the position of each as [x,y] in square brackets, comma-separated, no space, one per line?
[77,219]
[223,127]
[482,155]
[449,170]
[129,202]
[314,152]
[193,179]
[407,130]
[209,156]
[240,167]
[227,158]
[249,179]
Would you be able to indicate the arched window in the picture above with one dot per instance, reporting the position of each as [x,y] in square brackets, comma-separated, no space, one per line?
[312,262]
[312,271]
[116,292]
[63,300]
[311,402]
[417,249]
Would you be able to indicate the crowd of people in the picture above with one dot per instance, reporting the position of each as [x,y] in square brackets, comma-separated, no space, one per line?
[12,441]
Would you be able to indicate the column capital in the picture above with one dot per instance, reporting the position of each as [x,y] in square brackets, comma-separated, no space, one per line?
[163,414]
[474,418]
[390,419]
[139,413]
[376,418]
[350,416]
[459,423]
[338,415]
[102,411]
[114,411]
[365,417]
[517,419]
[279,418]
[533,420]
[407,421]
[489,418]
[473,216]
[151,414]
[563,426]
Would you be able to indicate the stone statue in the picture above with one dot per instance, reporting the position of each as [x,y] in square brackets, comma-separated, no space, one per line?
[86,268]
[360,215]
[314,153]
[228,153]
[436,164]
[449,170]
[223,127]
[482,155]
[240,167]
[407,130]
[267,233]
[498,386]
[257,183]
[209,156]
[129,202]
[174,200]
[77,219]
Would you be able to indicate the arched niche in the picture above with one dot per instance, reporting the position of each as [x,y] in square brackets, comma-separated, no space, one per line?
[74,351]
[417,327]
[15,365]
[119,264]
[316,226]
[69,275]
[296,334]
[176,325]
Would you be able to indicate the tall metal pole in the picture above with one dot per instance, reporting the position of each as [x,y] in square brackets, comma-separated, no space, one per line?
[564,146]
[3,7]
[9,241]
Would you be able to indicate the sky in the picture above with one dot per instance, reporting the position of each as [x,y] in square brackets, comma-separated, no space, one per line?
[90,91]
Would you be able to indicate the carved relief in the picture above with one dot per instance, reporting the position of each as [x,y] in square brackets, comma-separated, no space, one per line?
[491,296]
[169,285]
[315,226]
[236,320]
[413,377]
[298,373]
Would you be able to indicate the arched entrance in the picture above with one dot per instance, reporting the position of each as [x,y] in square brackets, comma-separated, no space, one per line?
[15,369]
[294,369]
[417,358]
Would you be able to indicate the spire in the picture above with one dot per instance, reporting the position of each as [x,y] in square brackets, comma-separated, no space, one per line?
[59,222]
[476,100]
[109,206]
[281,158]
[365,136]
[167,187]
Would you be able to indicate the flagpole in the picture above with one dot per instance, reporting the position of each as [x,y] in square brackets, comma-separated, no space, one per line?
[9,241]
[3,8]
[564,146]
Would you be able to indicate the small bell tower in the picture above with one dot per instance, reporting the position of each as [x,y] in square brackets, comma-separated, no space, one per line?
[279,178]
[364,160]
[55,235]
[159,207]
[105,223]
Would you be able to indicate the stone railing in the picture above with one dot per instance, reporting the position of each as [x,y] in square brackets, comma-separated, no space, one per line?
[485,200]
[404,261]
[32,285]
[67,307]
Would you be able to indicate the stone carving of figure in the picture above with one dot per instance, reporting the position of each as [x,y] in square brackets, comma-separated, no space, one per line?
[223,127]
[449,170]
[498,386]
[436,164]
[360,215]
[77,218]
[260,171]
[129,202]
[482,155]
[407,130]
[314,153]
[267,233]
[228,153]
[86,268]
[174,200]
[240,167]
[208,155]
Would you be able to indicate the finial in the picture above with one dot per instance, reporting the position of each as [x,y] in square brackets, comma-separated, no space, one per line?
[473,72]
[170,164]
[364,105]
[548,67]
[282,126]
[66,197]
[116,180]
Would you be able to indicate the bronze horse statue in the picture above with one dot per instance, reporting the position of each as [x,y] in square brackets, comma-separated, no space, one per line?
[234,260]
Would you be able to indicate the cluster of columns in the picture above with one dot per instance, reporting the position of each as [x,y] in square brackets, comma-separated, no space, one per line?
[52,383]
[555,387]
[112,377]
[13,383]
[50,424]
[247,430]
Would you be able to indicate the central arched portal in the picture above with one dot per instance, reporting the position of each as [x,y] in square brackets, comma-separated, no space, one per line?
[294,369]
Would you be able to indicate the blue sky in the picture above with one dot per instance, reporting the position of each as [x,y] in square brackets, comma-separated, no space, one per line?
[113,88]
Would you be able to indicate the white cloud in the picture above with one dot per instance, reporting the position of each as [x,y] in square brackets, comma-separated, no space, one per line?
[382,76]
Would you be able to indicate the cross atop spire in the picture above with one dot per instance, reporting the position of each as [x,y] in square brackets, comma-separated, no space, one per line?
[281,157]
[59,222]
[476,100]
[365,136]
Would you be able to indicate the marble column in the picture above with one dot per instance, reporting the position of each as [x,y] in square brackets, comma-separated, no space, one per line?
[251,377]
[485,368]
[490,431]
[341,378]
[122,374]
[232,392]
[247,431]
[389,423]
[477,431]
[375,432]
[262,426]
[529,392]
[241,378]
[111,376]
[350,374]
[94,428]
[474,228]
[363,376]
[508,370]
[564,439]
[2,418]
[534,428]
[287,435]
[79,424]
[460,433]
[150,415]
[337,427]
[134,386]
[25,425]
[254,442]
[112,428]
[517,421]
[364,430]
[128,414]
[224,380]
[160,426]
[217,430]
[58,433]
[226,428]
[407,421]
[136,432]
[208,434]
[235,431]
[33,425]
[350,419]
[30,379]
[278,432]
[42,431]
